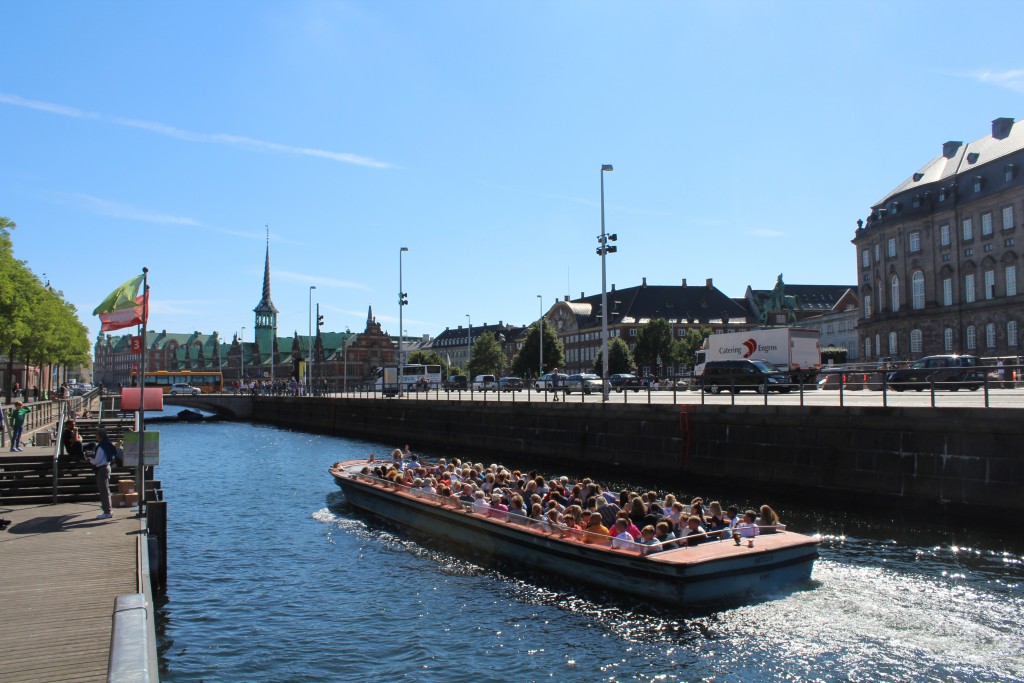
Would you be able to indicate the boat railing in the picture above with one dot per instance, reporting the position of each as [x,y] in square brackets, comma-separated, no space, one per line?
[547,527]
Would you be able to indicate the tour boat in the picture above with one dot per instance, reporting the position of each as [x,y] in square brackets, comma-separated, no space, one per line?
[717,570]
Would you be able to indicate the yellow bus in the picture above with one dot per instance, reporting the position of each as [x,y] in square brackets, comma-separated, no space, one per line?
[206,382]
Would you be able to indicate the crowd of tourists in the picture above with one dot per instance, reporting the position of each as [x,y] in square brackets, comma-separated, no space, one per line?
[584,510]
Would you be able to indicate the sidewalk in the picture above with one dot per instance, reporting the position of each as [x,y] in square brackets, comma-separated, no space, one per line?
[60,571]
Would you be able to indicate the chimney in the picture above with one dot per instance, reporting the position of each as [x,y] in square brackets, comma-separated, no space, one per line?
[566,297]
[950,148]
[644,283]
[684,282]
[709,284]
[581,295]
[613,286]
[1001,128]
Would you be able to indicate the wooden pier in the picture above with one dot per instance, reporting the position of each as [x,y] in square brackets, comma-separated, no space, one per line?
[60,572]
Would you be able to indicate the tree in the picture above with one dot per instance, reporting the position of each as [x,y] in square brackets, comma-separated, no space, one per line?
[527,361]
[653,342]
[686,347]
[424,358]
[488,358]
[620,360]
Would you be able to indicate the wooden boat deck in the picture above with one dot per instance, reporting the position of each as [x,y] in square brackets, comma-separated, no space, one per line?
[60,571]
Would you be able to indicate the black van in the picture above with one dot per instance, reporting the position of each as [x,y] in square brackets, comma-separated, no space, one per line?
[736,375]
[950,372]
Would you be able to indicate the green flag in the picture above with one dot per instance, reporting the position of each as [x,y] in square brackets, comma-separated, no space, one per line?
[125,296]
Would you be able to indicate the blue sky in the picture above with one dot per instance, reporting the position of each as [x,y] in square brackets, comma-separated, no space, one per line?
[747,139]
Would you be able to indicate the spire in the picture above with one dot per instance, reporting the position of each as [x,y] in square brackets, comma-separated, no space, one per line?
[266,305]
[369,315]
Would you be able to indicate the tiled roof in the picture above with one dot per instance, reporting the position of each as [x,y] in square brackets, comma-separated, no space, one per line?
[679,305]
[820,298]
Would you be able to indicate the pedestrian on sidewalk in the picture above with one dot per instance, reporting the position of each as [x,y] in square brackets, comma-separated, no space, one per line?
[17,420]
[105,452]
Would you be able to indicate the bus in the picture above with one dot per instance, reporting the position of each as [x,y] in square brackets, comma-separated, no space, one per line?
[411,377]
[206,382]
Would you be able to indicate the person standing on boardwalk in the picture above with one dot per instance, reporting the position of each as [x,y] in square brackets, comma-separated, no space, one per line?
[105,452]
[17,420]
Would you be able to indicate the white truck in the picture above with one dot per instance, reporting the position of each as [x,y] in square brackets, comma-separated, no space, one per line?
[793,350]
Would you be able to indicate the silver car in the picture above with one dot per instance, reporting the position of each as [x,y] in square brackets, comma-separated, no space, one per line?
[586,383]
[187,389]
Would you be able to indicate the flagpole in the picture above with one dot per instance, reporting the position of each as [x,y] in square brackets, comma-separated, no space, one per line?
[140,469]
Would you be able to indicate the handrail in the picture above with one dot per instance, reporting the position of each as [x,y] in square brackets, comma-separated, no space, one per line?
[62,412]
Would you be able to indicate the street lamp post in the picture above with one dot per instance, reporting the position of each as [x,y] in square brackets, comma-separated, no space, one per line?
[540,330]
[309,357]
[403,300]
[241,370]
[603,250]
[469,344]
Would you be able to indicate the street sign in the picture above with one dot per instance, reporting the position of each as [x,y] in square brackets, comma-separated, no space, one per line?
[136,344]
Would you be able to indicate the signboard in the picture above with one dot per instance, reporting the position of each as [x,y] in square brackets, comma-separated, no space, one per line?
[154,398]
[137,345]
[150,450]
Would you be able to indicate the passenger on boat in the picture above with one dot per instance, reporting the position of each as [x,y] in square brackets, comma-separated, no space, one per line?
[623,540]
[663,533]
[480,505]
[675,513]
[768,521]
[697,508]
[572,518]
[695,534]
[596,533]
[716,520]
[732,518]
[638,511]
[498,510]
[536,513]
[633,530]
[747,529]
[649,540]
[516,511]
[608,511]
[553,523]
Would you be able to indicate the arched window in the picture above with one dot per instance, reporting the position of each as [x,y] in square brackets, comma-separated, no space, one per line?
[892,344]
[947,338]
[894,296]
[1011,333]
[990,335]
[915,341]
[972,337]
[917,290]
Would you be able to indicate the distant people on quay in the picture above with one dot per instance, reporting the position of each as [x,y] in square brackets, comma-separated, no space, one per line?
[17,422]
[106,451]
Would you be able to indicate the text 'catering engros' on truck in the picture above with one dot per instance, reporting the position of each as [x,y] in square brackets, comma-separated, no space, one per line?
[793,350]
[411,377]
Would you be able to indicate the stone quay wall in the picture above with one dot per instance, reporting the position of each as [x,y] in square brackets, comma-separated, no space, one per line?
[952,458]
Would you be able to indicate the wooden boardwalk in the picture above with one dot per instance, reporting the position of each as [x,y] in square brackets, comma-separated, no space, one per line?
[60,571]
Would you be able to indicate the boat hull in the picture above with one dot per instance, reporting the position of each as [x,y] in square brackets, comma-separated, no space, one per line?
[712,572]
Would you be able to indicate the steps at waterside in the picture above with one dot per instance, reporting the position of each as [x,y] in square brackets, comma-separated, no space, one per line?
[28,479]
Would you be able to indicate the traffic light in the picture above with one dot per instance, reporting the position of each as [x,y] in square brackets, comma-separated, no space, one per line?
[403,299]
[319,321]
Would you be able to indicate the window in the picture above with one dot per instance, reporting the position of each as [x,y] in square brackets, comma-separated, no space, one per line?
[986,223]
[892,247]
[917,201]
[894,299]
[990,335]
[972,338]
[978,184]
[892,344]
[632,330]
[969,288]
[867,305]
[865,259]
[915,242]
[1008,172]
[878,344]
[968,252]
[1007,217]
[867,347]
[946,258]
[947,338]
[1008,242]
[1011,280]
[947,291]
[1011,333]
[990,284]
[968,229]
[917,290]
[988,247]
[878,253]
[915,341]
[944,235]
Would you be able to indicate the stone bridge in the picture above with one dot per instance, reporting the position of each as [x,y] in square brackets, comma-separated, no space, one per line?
[223,405]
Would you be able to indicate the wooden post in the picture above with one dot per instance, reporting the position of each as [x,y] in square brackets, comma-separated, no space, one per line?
[156,523]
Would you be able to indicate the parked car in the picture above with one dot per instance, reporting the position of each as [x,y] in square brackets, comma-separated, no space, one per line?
[456,383]
[583,382]
[622,381]
[511,384]
[736,375]
[551,380]
[187,389]
[485,383]
[950,372]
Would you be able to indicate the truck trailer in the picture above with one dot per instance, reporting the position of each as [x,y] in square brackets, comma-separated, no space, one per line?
[793,350]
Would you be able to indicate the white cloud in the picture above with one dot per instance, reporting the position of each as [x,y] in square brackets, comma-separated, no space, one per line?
[764,232]
[106,207]
[1010,80]
[207,138]
[319,280]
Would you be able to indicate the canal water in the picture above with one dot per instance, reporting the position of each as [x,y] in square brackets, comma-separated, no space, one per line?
[273,578]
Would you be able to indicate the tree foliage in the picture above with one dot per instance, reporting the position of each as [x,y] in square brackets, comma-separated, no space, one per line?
[687,346]
[37,325]
[620,360]
[424,358]
[488,358]
[527,361]
[653,341]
